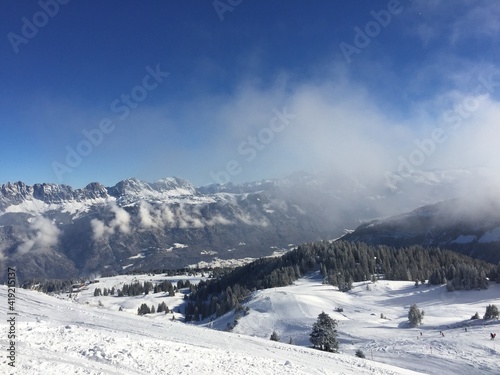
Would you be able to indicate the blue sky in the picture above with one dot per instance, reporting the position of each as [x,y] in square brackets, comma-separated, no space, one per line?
[229,90]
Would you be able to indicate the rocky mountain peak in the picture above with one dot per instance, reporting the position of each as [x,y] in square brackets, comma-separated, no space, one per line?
[132,189]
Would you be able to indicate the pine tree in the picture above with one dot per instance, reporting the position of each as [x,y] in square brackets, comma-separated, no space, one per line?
[415,316]
[359,353]
[275,337]
[162,307]
[491,312]
[324,333]
[144,309]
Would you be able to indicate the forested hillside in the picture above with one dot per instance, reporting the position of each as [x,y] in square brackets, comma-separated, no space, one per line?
[341,263]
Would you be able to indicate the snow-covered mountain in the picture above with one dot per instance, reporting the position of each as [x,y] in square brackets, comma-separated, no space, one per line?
[470,225]
[56,231]
[39,198]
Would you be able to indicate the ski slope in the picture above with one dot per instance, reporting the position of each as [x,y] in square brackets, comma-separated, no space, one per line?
[61,336]
[292,310]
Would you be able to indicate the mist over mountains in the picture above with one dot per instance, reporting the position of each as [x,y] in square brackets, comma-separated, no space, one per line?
[469,225]
[56,231]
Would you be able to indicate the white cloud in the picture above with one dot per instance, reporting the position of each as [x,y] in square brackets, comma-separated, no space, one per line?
[121,222]
[182,216]
[148,216]
[186,219]
[45,234]
[100,229]
[167,215]
[218,220]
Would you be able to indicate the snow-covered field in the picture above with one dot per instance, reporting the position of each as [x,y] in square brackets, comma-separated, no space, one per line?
[291,311]
[58,336]
[130,304]
[76,336]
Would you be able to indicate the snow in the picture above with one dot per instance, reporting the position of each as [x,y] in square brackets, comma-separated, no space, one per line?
[138,256]
[176,246]
[231,263]
[291,311]
[57,336]
[166,191]
[130,304]
[73,207]
[491,236]
[208,252]
[222,263]
[31,206]
[180,245]
[464,239]
[89,335]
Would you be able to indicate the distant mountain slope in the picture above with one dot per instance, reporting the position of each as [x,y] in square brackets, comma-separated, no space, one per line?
[470,225]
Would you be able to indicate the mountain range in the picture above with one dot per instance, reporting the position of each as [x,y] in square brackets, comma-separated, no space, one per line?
[59,232]
[56,231]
